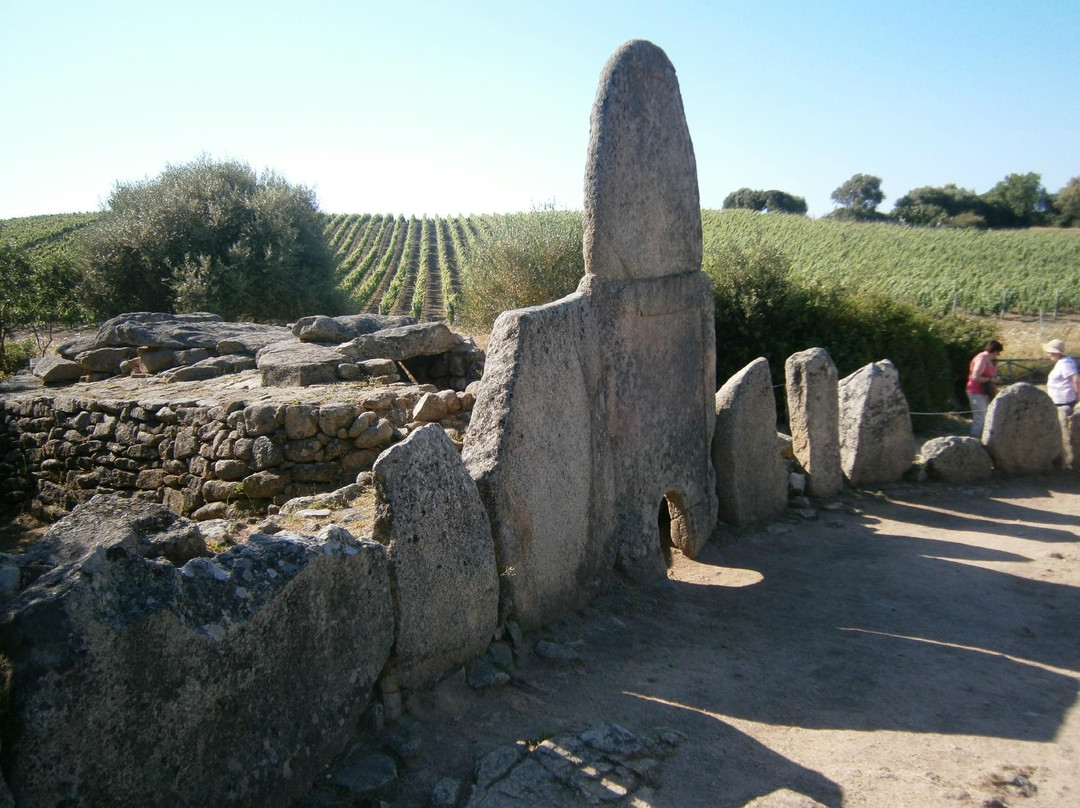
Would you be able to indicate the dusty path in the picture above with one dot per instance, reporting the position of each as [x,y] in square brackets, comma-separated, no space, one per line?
[917,650]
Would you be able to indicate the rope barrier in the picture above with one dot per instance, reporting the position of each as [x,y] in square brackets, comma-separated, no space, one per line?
[951,412]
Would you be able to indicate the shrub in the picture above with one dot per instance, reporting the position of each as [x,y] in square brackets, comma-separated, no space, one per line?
[525,260]
[15,356]
[212,237]
[762,310]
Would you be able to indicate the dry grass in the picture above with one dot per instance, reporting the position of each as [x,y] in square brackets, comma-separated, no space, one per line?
[1024,335]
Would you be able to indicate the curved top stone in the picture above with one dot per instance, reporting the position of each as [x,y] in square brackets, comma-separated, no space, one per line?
[642,209]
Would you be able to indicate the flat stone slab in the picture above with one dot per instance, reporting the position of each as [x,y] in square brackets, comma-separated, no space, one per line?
[177,331]
[320,328]
[293,363]
[404,342]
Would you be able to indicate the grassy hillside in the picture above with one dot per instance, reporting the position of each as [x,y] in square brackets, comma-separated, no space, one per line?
[942,269]
[398,265]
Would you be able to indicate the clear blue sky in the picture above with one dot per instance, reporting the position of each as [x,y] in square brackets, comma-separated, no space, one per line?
[476,107]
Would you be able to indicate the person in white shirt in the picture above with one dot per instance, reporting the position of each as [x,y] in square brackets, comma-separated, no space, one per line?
[1063,383]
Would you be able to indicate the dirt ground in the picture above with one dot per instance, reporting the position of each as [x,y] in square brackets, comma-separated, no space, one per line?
[918,646]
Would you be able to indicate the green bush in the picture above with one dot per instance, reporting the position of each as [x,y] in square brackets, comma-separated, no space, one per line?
[525,259]
[762,310]
[15,356]
[213,237]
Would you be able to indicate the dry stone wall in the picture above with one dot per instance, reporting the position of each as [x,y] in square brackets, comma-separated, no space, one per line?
[206,458]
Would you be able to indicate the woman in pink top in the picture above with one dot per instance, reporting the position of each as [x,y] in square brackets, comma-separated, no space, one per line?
[982,384]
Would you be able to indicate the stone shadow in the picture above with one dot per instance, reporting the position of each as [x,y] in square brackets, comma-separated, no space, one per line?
[867,631]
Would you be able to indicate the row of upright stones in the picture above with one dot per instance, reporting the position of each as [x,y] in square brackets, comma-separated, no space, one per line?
[858,429]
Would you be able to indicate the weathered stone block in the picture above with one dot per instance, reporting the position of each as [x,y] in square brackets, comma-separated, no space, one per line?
[221,490]
[429,408]
[104,360]
[876,441]
[403,342]
[956,459]
[376,436]
[55,370]
[334,417]
[301,421]
[751,481]
[298,364]
[814,416]
[430,517]
[265,453]
[641,185]
[263,419]
[114,652]
[1022,432]
[264,484]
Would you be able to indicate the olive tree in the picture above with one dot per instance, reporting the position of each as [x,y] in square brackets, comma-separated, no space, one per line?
[772,201]
[1019,200]
[1068,202]
[211,236]
[860,195]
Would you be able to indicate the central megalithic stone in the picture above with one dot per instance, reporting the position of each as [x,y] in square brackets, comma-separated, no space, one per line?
[642,210]
[596,413]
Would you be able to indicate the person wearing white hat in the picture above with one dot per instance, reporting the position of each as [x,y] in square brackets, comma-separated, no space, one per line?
[1063,383]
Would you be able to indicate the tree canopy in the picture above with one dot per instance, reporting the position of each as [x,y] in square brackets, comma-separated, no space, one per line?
[772,201]
[937,206]
[860,195]
[1068,203]
[211,236]
[1016,201]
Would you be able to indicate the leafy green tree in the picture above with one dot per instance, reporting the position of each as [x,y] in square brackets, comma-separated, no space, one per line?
[16,275]
[947,205]
[211,236]
[773,201]
[746,199]
[1019,200]
[860,195]
[1067,203]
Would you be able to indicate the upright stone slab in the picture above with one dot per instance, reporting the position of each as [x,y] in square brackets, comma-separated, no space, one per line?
[1070,438]
[597,408]
[430,517]
[814,418]
[642,211]
[1022,432]
[533,449]
[877,444]
[751,482]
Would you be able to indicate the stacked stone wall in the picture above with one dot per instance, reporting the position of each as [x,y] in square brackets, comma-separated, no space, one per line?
[201,458]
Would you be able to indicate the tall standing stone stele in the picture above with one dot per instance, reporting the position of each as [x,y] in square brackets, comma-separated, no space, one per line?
[597,409]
